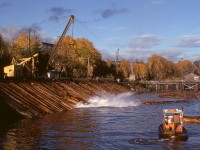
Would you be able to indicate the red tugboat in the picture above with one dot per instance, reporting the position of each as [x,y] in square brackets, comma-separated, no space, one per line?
[172,126]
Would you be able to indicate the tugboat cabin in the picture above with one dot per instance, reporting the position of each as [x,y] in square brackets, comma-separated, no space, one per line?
[172,126]
[173,121]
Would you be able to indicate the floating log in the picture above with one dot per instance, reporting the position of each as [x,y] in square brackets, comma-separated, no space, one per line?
[180,94]
[172,85]
[191,119]
[164,102]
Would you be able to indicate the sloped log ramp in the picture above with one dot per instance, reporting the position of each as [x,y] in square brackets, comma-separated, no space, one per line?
[35,98]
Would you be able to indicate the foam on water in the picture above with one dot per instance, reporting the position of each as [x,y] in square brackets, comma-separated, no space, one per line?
[111,100]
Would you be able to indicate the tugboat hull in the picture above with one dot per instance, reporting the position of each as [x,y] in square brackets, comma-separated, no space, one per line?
[176,136]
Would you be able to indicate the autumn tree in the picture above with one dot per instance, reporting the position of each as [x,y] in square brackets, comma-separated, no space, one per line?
[106,69]
[140,70]
[78,57]
[160,68]
[124,69]
[185,67]
[24,46]
[87,55]
[5,57]
[197,67]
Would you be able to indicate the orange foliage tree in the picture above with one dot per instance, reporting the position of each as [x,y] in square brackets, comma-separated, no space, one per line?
[79,56]
[160,68]
[5,57]
[24,47]
[197,67]
[185,67]
[124,69]
[140,70]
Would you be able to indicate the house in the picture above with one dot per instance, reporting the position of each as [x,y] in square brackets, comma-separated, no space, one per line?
[132,77]
[53,74]
[191,77]
[13,71]
[47,47]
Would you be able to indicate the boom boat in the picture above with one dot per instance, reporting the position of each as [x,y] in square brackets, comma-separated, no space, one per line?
[172,126]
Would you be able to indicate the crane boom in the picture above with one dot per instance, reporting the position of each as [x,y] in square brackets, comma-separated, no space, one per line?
[52,56]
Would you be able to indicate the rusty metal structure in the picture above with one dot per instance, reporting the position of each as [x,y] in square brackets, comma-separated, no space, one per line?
[51,62]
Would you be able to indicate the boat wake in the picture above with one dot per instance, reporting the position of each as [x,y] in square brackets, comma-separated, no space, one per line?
[111,100]
[144,141]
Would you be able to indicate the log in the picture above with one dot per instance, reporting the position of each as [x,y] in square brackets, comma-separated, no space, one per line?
[164,102]
[191,119]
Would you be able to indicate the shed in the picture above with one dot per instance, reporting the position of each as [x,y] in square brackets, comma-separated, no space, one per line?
[132,77]
[53,74]
[13,71]
[191,77]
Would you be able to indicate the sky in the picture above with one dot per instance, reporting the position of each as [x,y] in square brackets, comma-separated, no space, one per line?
[138,28]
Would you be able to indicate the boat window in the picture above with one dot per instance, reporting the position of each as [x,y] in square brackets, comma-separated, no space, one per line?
[176,118]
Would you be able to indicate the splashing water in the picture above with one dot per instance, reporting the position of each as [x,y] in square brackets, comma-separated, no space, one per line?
[111,100]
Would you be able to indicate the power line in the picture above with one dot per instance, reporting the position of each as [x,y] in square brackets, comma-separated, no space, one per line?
[93,34]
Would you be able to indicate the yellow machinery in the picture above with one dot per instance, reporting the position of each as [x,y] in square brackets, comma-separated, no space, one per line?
[22,68]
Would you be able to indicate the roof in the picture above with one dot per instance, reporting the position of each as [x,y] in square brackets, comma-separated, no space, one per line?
[191,77]
[172,111]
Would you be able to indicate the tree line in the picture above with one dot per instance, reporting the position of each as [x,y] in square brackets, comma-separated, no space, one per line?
[77,58]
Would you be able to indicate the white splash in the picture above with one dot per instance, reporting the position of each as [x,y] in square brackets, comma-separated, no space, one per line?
[111,100]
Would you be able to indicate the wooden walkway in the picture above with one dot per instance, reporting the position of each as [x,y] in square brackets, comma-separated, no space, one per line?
[172,85]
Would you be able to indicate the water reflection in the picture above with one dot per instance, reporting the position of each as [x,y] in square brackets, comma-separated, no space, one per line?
[52,132]
[173,145]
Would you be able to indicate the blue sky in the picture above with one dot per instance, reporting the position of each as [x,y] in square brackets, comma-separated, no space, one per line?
[139,28]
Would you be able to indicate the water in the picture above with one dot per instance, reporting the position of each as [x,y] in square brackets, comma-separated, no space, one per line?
[108,122]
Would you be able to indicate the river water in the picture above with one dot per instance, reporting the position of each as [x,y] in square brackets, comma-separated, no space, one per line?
[109,122]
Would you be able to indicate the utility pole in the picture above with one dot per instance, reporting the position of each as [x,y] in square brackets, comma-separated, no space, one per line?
[131,68]
[116,61]
[29,42]
[182,68]
[1,44]
[88,66]
[35,35]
